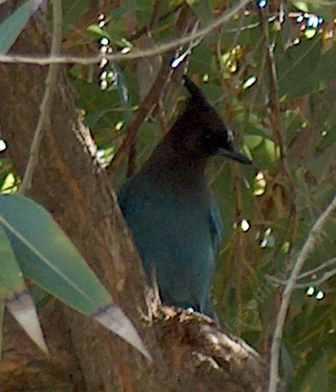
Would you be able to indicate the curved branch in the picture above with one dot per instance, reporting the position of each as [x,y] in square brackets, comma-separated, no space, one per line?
[306,250]
[119,57]
[50,84]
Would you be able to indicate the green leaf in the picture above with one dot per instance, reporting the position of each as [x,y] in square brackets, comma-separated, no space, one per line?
[203,11]
[305,68]
[11,277]
[316,376]
[2,313]
[14,24]
[17,298]
[123,92]
[121,11]
[49,259]
[326,68]
[201,59]
[98,104]
[73,10]
[301,5]
[297,68]
[98,32]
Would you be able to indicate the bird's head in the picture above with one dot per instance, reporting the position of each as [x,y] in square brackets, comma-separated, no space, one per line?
[201,132]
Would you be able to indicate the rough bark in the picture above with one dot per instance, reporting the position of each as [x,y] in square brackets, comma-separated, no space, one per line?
[190,353]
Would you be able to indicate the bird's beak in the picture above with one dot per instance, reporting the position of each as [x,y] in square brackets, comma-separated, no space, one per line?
[234,155]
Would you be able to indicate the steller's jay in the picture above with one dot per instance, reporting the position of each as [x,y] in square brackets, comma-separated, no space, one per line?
[170,210]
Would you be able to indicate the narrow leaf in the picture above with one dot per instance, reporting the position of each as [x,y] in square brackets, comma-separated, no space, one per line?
[23,310]
[48,257]
[15,294]
[14,24]
[114,319]
[11,277]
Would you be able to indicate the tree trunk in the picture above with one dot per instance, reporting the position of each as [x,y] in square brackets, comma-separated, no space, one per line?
[190,353]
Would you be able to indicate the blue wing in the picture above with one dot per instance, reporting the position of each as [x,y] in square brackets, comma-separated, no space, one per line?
[216,225]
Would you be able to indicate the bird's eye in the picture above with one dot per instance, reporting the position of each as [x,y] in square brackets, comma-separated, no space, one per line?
[208,139]
[208,134]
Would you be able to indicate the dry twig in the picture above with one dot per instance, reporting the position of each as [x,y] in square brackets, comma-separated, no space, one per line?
[306,250]
[50,86]
[43,60]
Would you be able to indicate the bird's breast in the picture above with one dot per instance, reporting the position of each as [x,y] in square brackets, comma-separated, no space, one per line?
[171,225]
[172,233]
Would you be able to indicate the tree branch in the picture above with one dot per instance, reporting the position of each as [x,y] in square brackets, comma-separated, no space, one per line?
[306,250]
[119,57]
[152,98]
[316,282]
[50,86]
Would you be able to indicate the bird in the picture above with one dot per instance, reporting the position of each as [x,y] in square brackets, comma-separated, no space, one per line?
[171,211]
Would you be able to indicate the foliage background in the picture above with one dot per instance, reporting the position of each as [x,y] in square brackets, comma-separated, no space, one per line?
[284,120]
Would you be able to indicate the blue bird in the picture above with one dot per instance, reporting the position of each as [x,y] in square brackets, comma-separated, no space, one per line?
[172,214]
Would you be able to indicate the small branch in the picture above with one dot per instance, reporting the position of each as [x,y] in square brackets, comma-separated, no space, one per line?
[147,29]
[119,57]
[326,275]
[144,110]
[151,100]
[323,266]
[50,86]
[306,250]
[276,122]
[315,282]
[274,93]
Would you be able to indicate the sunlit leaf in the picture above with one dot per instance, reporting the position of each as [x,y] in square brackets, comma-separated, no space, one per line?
[301,5]
[97,31]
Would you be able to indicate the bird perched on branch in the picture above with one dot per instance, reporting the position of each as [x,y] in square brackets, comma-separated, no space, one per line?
[172,214]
